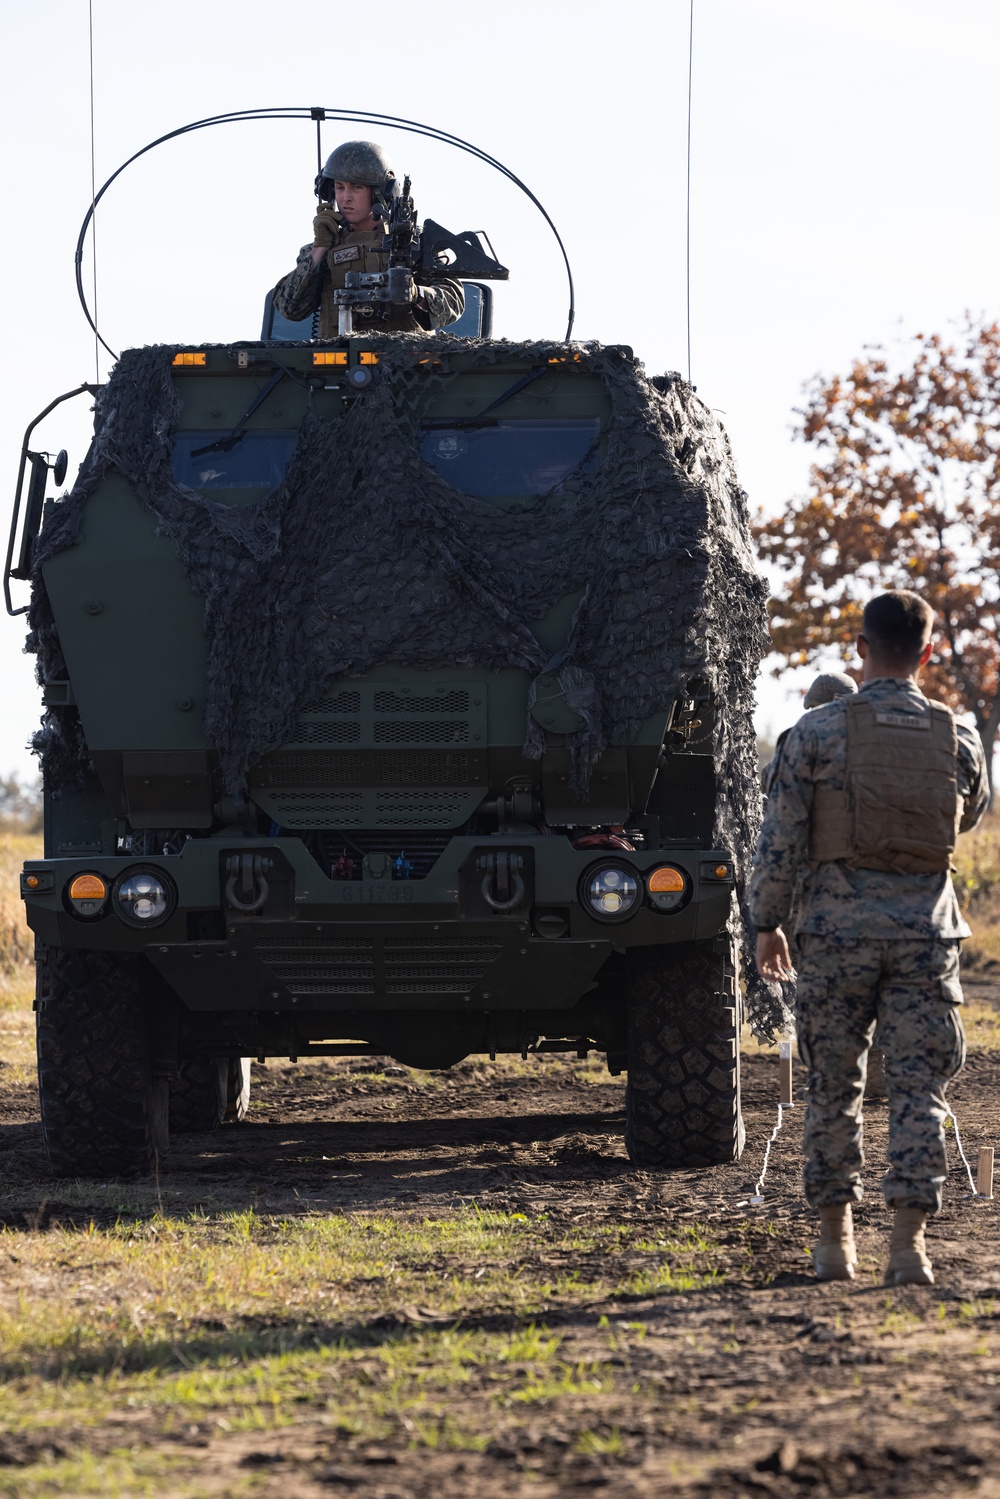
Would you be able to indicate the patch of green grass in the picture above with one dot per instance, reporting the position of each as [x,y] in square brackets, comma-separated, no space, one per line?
[148,1295]
[118,1343]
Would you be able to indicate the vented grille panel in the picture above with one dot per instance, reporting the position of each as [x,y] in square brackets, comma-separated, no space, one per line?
[403,966]
[422,731]
[317,809]
[416,809]
[338,702]
[439,702]
[326,731]
[313,768]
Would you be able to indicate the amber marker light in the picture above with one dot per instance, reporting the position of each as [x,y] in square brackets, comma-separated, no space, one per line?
[189,359]
[366,357]
[667,887]
[31,881]
[331,356]
[721,871]
[87,895]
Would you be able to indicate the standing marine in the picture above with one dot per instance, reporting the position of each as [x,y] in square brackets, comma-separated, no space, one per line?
[867,801]
[356,188]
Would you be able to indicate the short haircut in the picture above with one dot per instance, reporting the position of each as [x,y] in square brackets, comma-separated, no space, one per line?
[897,626]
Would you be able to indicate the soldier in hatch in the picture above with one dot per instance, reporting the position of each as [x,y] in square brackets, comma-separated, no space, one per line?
[867,799]
[348,237]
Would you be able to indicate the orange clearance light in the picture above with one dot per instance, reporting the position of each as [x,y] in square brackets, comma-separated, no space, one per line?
[721,870]
[367,357]
[32,881]
[190,358]
[331,356]
[666,879]
[88,887]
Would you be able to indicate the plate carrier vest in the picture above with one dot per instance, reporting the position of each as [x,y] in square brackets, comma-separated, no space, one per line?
[900,810]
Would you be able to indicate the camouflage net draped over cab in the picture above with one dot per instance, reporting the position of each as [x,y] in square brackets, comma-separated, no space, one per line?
[364,555]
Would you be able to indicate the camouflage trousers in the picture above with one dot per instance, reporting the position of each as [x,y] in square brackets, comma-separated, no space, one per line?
[910,989]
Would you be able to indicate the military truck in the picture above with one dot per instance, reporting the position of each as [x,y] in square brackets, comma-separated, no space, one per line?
[397,702]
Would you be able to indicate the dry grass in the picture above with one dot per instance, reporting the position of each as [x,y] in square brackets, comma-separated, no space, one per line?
[15,938]
[977,880]
[17,1045]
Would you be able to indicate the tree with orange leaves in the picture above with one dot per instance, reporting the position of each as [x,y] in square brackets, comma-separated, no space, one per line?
[904,493]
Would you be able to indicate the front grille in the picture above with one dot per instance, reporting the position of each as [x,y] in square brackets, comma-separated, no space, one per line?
[396,965]
[380,756]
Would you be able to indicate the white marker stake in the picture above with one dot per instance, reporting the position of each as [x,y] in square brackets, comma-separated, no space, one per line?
[785,1073]
[984,1175]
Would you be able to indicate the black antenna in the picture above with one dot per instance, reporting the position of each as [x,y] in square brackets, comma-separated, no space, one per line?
[361,117]
[319,115]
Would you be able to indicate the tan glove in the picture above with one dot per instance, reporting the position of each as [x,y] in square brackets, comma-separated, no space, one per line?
[326,226]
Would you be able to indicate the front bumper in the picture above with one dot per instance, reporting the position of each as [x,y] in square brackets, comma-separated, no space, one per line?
[380,944]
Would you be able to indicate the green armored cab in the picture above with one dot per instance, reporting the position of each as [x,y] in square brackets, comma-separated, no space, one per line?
[398,695]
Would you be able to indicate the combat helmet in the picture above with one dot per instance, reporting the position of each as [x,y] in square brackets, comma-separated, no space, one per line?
[362,162]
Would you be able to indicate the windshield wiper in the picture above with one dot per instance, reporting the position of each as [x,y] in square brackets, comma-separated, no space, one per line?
[472,421]
[225,444]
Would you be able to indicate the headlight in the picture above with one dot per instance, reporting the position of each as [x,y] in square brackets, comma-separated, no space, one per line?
[144,897]
[667,888]
[610,892]
[86,896]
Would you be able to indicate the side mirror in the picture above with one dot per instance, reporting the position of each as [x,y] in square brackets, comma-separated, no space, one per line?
[60,466]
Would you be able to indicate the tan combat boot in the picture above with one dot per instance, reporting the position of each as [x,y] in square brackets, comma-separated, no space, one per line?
[835,1255]
[908,1262]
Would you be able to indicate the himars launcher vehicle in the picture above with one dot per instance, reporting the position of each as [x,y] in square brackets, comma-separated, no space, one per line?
[398,697]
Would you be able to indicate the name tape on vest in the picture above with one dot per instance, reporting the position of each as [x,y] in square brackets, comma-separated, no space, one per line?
[904,720]
[351,252]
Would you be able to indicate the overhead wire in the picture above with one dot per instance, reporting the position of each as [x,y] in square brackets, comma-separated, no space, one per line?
[293,112]
[687,216]
[93,189]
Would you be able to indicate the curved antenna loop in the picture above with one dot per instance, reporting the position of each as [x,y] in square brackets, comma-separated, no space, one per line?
[293,112]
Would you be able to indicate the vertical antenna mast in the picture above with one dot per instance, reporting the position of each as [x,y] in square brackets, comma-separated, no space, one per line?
[319,115]
[93,185]
[688,212]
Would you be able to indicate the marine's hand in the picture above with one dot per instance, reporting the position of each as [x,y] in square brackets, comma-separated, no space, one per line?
[325,228]
[773,958]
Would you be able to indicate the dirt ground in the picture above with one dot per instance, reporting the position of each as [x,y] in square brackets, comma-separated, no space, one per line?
[757,1382]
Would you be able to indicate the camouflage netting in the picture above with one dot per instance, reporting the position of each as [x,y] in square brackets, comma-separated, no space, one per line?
[415,573]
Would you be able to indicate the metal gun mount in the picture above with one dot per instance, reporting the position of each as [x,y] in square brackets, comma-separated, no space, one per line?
[438,254]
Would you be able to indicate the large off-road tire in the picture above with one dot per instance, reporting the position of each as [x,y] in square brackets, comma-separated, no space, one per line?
[208,1092]
[94,1082]
[682,1099]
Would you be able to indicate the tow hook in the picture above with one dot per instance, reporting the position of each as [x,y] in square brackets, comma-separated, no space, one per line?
[246,887]
[503,883]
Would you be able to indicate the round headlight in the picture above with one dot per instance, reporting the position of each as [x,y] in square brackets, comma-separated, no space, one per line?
[610,892]
[144,897]
[86,896]
[667,888]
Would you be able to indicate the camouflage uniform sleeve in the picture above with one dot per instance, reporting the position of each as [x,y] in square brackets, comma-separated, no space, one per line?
[973,782]
[297,294]
[783,845]
[445,302]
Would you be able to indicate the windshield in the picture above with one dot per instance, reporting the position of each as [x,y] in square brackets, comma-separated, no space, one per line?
[505,457]
[257,459]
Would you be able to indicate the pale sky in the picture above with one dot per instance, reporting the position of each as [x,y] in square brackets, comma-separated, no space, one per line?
[843,189]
